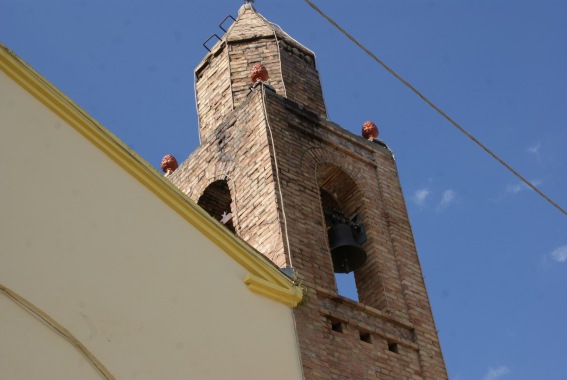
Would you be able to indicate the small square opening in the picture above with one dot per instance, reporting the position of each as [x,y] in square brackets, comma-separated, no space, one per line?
[365,336]
[393,347]
[337,325]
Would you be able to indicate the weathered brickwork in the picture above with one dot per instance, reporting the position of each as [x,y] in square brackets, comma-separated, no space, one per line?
[301,78]
[212,84]
[223,77]
[244,55]
[282,163]
[238,152]
[390,283]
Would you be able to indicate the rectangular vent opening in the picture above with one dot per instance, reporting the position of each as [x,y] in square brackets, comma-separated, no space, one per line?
[337,325]
[393,347]
[366,337]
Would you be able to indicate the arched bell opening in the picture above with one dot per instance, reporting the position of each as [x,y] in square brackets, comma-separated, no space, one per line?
[216,200]
[342,203]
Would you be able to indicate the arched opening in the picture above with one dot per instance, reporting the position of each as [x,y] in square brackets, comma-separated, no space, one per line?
[342,203]
[216,200]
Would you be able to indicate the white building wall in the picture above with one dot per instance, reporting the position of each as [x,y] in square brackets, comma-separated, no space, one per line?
[138,285]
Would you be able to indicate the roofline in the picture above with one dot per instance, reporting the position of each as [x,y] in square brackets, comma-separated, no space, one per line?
[263,278]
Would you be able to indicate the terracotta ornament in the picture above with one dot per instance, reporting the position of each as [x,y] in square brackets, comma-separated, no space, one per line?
[259,72]
[169,164]
[369,130]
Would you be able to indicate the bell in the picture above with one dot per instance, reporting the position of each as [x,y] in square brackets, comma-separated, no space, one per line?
[347,255]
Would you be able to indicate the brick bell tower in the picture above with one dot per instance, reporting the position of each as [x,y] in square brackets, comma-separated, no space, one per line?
[280,175]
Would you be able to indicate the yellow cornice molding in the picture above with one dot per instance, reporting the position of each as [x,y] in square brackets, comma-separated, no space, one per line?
[289,296]
[264,278]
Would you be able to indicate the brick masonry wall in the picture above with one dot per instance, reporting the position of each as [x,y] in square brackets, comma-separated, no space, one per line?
[244,55]
[212,86]
[390,283]
[243,160]
[301,77]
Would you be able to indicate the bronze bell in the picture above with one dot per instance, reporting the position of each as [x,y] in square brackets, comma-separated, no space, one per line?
[347,255]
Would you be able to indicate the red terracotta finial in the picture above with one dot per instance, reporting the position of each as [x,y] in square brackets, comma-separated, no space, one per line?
[258,72]
[168,164]
[369,130]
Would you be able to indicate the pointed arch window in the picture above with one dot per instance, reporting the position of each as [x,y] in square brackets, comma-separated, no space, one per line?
[216,200]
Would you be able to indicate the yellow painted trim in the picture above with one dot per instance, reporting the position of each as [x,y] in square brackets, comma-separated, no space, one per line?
[290,297]
[275,284]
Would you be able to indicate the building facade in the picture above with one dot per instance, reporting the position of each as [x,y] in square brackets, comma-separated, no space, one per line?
[108,271]
[279,174]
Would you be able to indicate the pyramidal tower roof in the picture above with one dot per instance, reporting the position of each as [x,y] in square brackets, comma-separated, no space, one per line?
[249,24]
[252,25]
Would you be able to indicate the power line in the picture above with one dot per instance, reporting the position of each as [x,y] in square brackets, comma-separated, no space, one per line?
[425,99]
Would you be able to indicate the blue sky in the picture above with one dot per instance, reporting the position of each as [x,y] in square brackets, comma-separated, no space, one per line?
[494,254]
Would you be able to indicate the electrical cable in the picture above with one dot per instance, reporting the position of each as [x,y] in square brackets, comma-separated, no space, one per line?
[447,117]
[197,108]
[58,328]
[280,61]
[263,96]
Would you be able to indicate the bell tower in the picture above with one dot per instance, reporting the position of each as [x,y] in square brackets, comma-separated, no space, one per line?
[311,196]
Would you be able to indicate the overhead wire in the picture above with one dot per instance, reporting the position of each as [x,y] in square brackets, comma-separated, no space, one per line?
[436,108]
[277,170]
[58,328]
